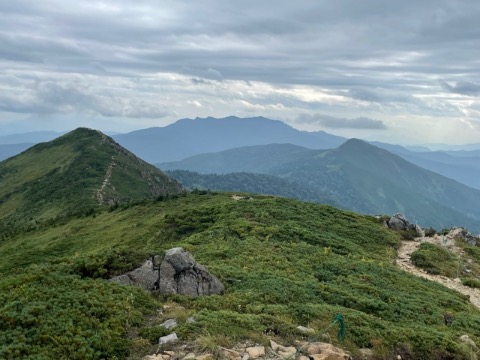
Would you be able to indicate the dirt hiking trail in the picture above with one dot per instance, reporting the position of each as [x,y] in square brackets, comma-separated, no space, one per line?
[405,263]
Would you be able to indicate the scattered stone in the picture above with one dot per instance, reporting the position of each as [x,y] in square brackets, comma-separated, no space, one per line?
[169,324]
[305,330]
[287,353]
[303,357]
[466,339]
[168,338]
[230,354]
[245,357]
[153,357]
[169,353]
[466,236]
[274,345]
[204,357]
[237,197]
[189,356]
[430,232]
[255,352]
[419,231]
[324,351]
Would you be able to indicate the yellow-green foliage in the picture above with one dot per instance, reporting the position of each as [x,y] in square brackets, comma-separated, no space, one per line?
[284,263]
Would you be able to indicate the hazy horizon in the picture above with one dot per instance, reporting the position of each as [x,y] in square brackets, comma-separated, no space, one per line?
[431,146]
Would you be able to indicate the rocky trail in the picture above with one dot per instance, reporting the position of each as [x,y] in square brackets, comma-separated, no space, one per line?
[405,263]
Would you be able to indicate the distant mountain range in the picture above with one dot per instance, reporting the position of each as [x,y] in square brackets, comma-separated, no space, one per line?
[189,137]
[356,176]
[463,166]
[73,174]
[33,137]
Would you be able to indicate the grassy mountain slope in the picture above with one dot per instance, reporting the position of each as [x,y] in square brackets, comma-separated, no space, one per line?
[356,176]
[284,263]
[74,174]
[189,137]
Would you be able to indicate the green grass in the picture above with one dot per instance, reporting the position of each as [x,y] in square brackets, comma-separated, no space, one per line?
[284,263]
[437,260]
[46,314]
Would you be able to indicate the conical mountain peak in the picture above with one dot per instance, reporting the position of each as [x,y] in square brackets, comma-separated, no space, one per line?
[76,173]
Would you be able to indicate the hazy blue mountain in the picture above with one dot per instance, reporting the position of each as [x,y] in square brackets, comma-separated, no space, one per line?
[447,147]
[189,137]
[360,177]
[8,150]
[463,166]
[253,159]
[463,153]
[33,137]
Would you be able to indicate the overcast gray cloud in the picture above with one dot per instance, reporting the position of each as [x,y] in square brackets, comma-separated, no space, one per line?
[462,87]
[147,60]
[331,122]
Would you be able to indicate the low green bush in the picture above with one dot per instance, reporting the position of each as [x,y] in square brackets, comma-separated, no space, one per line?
[436,260]
[471,282]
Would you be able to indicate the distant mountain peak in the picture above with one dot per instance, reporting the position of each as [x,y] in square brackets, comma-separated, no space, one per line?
[356,144]
[188,137]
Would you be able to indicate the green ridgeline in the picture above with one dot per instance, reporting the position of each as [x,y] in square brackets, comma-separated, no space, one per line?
[74,174]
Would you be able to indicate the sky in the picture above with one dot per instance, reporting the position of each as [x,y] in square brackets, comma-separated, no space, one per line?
[405,72]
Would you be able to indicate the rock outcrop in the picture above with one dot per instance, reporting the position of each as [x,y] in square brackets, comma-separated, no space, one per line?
[176,272]
[400,222]
[180,274]
[145,277]
[468,237]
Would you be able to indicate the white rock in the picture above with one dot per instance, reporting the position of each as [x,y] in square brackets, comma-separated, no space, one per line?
[305,330]
[255,352]
[167,339]
[189,356]
[169,324]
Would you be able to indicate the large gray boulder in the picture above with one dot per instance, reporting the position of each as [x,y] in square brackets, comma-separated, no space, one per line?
[176,272]
[398,222]
[145,277]
[180,274]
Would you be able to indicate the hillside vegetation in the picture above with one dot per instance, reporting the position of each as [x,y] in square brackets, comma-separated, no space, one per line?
[248,182]
[74,174]
[284,263]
